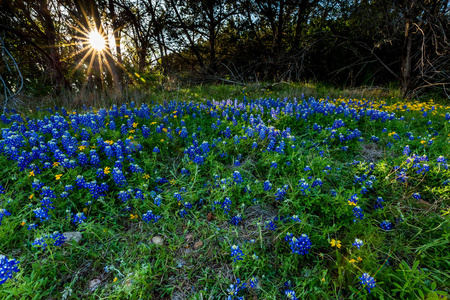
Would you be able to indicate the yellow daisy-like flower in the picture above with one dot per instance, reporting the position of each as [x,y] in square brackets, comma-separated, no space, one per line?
[132,131]
[164,129]
[31,174]
[85,210]
[115,279]
[55,164]
[359,258]
[352,260]
[81,148]
[58,177]
[323,279]
[146,176]
[335,243]
[23,223]
[135,125]
[107,170]
[110,142]
[130,137]
[31,196]
[152,123]
[162,140]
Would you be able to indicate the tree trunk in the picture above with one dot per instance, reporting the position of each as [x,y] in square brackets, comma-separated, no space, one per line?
[405,79]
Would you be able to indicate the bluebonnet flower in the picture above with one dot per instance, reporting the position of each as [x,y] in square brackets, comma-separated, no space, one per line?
[119,177]
[139,194]
[37,184]
[386,225]
[406,150]
[236,219]
[358,213]
[270,225]
[124,196]
[441,159]
[150,217]
[253,282]
[281,193]
[367,281]
[237,163]
[300,245]
[358,243]
[3,212]
[2,189]
[296,218]
[157,200]
[32,226]
[78,218]
[237,178]
[254,145]
[274,165]
[156,150]
[317,182]
[236,253]
[41,214]
[267,185]
[7,268]
[416,196]
[55,239]
[234,290]
[379,203]
[290,294]
[47,203]
[353,200]
[364,190]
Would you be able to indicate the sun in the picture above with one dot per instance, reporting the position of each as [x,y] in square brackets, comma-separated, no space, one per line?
[96,40]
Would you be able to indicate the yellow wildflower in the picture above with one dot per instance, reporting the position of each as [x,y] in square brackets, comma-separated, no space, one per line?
[335,243]
[107,170]
[146,176]
[31,174]
[55,164]
[58,177]
[81,148]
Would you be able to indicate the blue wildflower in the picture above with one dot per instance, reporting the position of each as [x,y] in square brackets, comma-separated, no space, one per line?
[150,217]
[386,225]
[7,268]
[358,243]
[236,253]
[367,281]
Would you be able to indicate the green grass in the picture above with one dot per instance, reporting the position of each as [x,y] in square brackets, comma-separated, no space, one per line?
[116,258]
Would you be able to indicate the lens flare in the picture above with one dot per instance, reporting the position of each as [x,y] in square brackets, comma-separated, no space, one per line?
[97,41]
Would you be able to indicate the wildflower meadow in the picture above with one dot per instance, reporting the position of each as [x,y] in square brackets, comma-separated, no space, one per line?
[294,198]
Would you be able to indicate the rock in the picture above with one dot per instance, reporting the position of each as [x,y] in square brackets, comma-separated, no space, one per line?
[94,284]
[189,236]
[72,236]
[158,240]
[198,244]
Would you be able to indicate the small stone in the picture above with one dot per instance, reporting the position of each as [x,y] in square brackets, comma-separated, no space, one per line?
[72,236]
[198,244]
[94,284]
[157,240]
[189,236]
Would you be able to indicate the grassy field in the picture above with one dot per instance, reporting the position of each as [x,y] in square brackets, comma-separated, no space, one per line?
[274,195]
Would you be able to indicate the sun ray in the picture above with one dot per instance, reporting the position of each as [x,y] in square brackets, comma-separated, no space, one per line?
[84,57]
